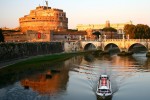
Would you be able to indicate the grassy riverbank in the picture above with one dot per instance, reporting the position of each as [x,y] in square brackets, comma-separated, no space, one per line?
[29,66]
[41,60]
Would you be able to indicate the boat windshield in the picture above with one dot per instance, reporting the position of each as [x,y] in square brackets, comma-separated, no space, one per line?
[104,91]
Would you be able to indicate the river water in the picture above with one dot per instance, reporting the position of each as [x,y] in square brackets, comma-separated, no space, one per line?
[76,79]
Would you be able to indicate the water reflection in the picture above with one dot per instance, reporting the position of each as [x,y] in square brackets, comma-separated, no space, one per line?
[89,58]
[47,83]
[76,79]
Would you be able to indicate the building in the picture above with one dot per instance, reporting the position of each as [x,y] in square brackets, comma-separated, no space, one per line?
[118,26]
[67,35]
[14,36]
[34,36]
[44,18]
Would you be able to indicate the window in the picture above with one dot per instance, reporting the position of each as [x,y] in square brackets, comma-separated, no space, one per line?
[103,90]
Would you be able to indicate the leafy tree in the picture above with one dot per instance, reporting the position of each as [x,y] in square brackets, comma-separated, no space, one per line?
[97,33]
[1,36]
[142,31]
[109,29]
[139,31]
[129,30]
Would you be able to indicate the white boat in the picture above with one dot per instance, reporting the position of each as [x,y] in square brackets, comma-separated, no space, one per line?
[104,87]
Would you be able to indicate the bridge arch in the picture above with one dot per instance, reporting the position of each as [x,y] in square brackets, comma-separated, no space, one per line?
[137,47]
[111,46]
[89,46]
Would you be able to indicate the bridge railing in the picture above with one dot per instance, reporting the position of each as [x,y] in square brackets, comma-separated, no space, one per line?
[92,40]
[113,40]
[137,40]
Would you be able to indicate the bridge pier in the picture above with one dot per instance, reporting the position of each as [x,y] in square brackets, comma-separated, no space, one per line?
[104,53]
[148,54]
[123,53]
[148,47]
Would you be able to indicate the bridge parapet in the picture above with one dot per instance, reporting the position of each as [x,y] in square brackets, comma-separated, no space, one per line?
[91,40]
[108,40]
[138,40]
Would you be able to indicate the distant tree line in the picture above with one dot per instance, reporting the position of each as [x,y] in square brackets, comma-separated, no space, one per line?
[138,31]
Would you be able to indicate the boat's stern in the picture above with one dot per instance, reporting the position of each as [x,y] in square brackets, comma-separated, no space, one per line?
[104,92]
[104,97]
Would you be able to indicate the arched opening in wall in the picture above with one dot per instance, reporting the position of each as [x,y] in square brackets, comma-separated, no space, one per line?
[138,48]
[112,48]
[90,46]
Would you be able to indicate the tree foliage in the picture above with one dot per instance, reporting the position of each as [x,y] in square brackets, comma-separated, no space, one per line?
[1,36]
[97,33]
[139,31]
[142,31]
[129,30]
[109,29]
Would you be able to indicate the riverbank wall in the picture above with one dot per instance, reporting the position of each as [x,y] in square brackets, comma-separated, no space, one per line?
[12,51]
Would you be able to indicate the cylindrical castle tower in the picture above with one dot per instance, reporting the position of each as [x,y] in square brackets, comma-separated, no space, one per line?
[44,18]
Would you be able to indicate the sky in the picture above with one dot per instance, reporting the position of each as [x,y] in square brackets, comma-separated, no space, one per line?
[80,11]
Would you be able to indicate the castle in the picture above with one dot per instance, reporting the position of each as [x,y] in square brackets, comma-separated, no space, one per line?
[44,18]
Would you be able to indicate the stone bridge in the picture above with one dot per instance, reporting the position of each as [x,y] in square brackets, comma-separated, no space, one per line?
[124,45]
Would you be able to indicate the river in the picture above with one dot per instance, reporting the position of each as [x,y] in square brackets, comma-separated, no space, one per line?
[76,79]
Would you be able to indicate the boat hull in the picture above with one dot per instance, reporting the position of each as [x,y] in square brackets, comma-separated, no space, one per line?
[107,94]
[104,98]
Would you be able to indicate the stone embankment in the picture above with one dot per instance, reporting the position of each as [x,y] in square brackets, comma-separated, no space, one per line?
[12,51]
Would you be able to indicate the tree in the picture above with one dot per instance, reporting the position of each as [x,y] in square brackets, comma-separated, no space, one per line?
[142,31]
[129,30]
[109,31]
[1,36]
[97,33]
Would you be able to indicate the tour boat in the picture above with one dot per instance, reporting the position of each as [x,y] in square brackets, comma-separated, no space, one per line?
[104,87]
